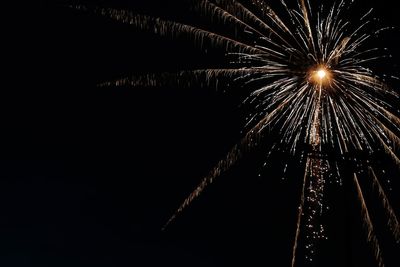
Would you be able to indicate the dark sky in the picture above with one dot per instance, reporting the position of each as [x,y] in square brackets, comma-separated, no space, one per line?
[89,175]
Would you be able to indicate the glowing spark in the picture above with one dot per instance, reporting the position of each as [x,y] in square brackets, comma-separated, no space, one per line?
[321,74]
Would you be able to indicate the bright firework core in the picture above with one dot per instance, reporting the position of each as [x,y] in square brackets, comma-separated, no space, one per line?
[320,75]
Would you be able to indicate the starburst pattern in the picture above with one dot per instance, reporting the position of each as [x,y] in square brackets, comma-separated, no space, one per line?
[309,81]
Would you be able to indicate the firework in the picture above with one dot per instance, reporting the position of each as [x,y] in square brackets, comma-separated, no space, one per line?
[309,81]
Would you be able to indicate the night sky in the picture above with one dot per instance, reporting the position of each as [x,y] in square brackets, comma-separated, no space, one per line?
[89,175]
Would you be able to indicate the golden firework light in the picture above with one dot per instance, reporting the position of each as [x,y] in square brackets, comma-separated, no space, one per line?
[307,69]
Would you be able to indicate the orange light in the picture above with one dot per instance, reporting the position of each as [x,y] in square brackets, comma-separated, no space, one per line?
[320,75]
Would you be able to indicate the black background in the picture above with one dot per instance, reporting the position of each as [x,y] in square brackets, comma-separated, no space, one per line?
[89,175]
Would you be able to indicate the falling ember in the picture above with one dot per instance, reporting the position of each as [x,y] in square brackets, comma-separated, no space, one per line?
[286,64]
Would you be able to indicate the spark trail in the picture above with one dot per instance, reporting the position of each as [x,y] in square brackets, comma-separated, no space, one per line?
[307,70]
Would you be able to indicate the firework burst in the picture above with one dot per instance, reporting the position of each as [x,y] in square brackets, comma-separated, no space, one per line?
[309,81]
